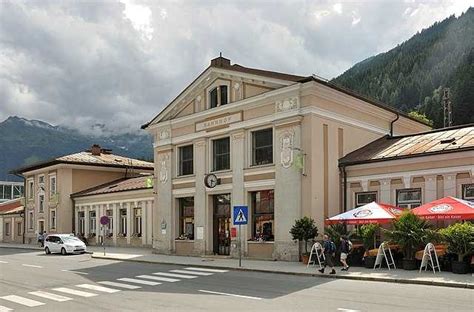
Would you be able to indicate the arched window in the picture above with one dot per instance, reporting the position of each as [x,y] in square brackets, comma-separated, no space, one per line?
[218,96]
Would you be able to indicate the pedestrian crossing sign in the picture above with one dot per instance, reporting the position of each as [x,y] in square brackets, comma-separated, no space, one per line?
[241,215]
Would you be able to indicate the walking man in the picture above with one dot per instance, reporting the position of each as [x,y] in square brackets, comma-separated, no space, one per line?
[41,239]
[329,249]
[345,249]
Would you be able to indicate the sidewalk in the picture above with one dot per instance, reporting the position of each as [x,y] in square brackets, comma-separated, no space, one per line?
[446,279]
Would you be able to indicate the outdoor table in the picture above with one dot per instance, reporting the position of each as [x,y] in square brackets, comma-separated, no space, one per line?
[373,252]
[440,251]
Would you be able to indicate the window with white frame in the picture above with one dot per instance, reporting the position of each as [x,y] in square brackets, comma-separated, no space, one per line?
[110,214]
[221,154]
[185,161]
[52,186]
[218,96]
[31,188]
[52,221]
[41,203]
[17,191]
[92,222]
[262,147]
[468,192]
[31,220]
[19,228]
[7,228]
[409,198]
[81,223]
[123,222]
[137,221]
[363,198]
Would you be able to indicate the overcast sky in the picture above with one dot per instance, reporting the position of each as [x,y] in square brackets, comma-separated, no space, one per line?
[117,63]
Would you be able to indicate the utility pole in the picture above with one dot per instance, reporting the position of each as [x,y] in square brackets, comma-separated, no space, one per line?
[447,109]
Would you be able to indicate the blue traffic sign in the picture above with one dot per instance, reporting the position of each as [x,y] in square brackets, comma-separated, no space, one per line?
[241,215]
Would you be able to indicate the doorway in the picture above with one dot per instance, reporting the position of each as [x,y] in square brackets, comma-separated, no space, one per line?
[221,223]
[40,226]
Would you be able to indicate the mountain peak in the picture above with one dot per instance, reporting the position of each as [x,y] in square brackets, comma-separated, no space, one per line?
[28,122]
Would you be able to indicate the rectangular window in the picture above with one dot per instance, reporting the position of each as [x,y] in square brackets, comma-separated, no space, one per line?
[41,179]
[213,97]
[17,191]
[52,219]
[41,203]
[92,222]
[31,220]
[19,228]
[363,198]
[262,147]
[123,222]
[52,186]
[409,198]
[109,213]
[186,218]
[7,229]
[263,215]
[223,91]
[7,192]
[468,191]
[137,221]
[82,223]
[221,154]
[186,160]
[31,186]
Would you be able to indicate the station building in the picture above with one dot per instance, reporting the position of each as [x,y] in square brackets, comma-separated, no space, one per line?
[268,140]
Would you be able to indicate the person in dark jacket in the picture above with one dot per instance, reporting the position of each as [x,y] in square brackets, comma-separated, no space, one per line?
[329,249]
[344,249]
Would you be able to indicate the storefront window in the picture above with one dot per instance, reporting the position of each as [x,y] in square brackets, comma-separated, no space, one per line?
[409,198]
[468,191]
[263,215]
[363,198]
[186,218]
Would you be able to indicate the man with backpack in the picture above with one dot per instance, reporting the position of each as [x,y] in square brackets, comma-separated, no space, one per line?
[329,249]
[346,247]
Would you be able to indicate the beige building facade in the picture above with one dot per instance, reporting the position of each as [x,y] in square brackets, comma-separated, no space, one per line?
[272,141]
[49,185]
[11,221]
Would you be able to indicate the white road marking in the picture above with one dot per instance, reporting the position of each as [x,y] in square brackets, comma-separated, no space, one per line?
[21,300]
[174,275]
[76,272]
[347,310]
[32,266]
[75,292]
[231,295]
[5,309]
[126,286]
[189,272]
[3,262]
[158,278]
[51,296]
[98,288]
[207,270]
[137,281]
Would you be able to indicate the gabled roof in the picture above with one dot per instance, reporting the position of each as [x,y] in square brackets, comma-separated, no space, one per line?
[13,206]
[103,158]
[440,141]
[119,185]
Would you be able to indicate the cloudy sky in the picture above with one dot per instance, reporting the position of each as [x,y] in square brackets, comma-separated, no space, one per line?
[114,64]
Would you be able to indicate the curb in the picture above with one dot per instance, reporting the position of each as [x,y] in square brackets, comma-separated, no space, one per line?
[22,247]
[347,277]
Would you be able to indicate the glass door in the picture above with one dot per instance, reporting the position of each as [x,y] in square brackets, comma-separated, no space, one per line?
[222,224]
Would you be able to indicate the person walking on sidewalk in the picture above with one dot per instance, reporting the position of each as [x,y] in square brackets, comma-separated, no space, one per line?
[344,249]
[329,249]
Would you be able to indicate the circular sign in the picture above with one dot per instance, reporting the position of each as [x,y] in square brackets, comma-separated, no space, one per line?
[210,180]
[363,213]
[441,208]
[104,220]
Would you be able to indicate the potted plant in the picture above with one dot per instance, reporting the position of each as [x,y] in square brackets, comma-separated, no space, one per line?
[459,237]
[367,234]
[410,232]
[304,230]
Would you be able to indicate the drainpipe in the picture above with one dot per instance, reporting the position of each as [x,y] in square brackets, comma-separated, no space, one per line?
[344,177]
[391,124]
[74,216]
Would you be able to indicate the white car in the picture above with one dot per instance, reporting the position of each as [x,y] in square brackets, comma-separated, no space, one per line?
[63,243]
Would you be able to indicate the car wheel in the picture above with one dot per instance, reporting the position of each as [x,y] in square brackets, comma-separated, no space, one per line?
[63,251]
[47,251]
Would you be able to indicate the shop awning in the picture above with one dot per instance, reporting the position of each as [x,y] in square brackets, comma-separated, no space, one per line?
[447,208]
[369,213]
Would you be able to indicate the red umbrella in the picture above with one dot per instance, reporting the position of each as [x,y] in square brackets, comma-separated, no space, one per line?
[447,208]
[369,213]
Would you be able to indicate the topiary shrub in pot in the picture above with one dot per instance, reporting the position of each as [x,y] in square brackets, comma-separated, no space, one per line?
[367,233]
[411,233]
[304,230]
[459,237]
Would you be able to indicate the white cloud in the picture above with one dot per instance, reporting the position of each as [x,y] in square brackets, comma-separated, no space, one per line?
[141,18]
[337,7]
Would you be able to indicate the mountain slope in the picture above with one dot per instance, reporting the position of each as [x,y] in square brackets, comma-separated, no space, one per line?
[25,141]
[412,75]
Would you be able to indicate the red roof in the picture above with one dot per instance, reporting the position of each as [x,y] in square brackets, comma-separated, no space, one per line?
[11,206]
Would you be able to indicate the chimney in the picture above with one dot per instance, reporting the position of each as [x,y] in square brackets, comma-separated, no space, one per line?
[220,61]
[95,150]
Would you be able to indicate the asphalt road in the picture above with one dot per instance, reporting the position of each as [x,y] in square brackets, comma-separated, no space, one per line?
[32,281]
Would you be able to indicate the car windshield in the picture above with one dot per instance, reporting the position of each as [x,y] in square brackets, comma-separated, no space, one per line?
[70,239]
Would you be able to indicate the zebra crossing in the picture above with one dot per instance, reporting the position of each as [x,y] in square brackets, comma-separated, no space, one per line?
[62,294]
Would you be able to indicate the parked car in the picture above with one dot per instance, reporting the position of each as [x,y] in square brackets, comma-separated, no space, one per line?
[64,244]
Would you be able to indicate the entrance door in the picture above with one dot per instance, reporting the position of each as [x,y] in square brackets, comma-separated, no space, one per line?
[222,224]
[40,227]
